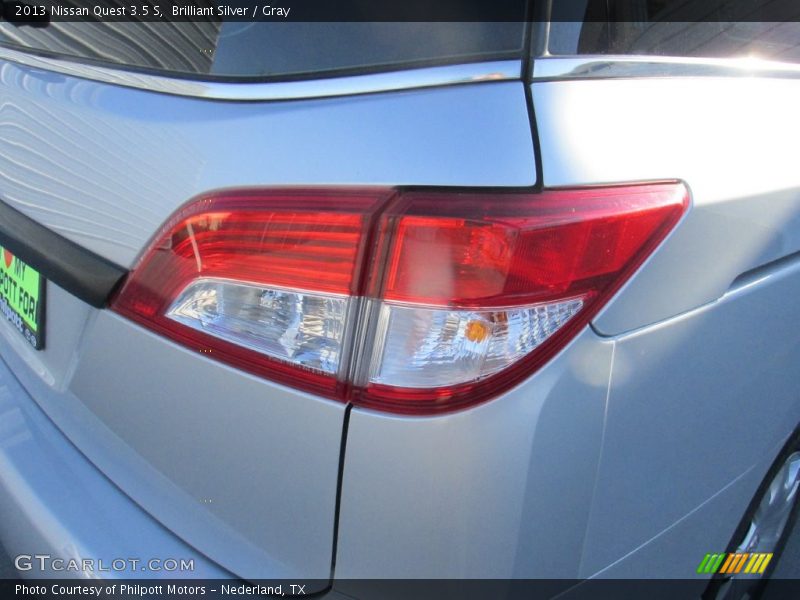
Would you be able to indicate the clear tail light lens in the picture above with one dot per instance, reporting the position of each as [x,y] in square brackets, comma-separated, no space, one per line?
[429,348]
[303,329]
[413,302]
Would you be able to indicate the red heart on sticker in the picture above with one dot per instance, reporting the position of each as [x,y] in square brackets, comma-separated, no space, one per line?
[8,257]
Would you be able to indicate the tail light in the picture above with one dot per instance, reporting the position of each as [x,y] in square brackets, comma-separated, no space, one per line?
[414,302]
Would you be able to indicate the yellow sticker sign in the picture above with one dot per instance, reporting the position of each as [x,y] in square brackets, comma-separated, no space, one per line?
[22,297]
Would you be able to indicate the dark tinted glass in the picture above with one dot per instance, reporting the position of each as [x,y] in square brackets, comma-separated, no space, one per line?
[244,50]
[763,29]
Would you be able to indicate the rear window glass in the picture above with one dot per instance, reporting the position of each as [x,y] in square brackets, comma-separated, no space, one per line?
[260,50]
[764,29]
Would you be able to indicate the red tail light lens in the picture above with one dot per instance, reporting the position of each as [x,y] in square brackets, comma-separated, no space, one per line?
[479,289]
[262,280]
[467,292]
[490,249]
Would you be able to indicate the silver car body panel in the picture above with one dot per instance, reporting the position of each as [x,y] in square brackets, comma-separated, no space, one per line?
[54,502]
[701,390]
[505,488]
[242,469]
[404,79]
[59,135]
[675,435]
[741,172]
[619,446]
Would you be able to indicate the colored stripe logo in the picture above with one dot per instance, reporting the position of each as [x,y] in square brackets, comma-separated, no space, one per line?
[735,562]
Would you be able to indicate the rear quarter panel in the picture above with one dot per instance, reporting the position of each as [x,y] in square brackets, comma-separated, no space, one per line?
[704,384]
[648,435]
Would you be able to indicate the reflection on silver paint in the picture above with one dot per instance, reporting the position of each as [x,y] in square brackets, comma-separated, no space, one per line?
[406,79]
[742,175]
[69,170]
[105,165]
[172,46]
[627,66]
